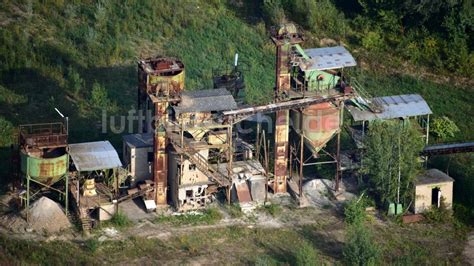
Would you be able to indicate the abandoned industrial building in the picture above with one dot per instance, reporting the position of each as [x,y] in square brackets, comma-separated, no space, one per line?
[190,151]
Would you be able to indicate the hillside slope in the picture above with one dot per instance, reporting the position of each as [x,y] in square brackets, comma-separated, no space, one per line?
[80,57]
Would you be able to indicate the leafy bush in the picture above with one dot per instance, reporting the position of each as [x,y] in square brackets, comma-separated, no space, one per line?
[354,212]
[306,255]
[360,248]
[441,214]
[373,41]
[443,128]
[318,16]
[10,97]
[120,220]
[272,209]
[74,81]
[463,214]
[6,133]
[273,12]
[92,244]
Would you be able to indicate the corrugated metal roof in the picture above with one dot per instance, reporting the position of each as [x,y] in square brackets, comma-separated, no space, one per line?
[206,101]
[328,58]
[397,106]
[139,140]
[91,156]
[432,176]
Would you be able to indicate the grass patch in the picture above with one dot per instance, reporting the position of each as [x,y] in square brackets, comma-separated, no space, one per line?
[234,210]
[92,244]
[208,216]
[272,209]
[120,220]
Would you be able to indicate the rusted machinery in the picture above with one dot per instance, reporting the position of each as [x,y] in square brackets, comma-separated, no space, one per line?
[44,160]
[188,135]
[307,74]
[195,128]
[284,38]
[161,81]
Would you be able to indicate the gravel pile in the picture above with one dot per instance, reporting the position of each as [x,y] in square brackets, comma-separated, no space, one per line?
[320,193]
[47,215]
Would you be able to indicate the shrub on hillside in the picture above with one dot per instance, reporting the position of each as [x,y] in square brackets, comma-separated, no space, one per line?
[443,128]
[360,248]
[306,255]
[120,220]
[354,212]
[441,214]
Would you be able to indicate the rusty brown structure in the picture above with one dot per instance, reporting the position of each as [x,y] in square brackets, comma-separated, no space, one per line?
[161,81]
[193,130]
[283,38]
[44,160]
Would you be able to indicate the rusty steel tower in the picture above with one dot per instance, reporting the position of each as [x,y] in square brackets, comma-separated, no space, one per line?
[161,81]
[284,38]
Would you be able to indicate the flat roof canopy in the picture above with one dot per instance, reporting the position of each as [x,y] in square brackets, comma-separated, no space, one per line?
[328,58]
[205,101]
[397,106]
[92,156]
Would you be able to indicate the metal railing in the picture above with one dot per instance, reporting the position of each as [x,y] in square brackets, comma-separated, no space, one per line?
[43,135]
[365,98]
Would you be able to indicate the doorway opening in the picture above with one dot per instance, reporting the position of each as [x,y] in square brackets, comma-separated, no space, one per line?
[435,196]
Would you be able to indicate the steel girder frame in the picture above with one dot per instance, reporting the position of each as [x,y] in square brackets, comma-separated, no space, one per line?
[29,193]
[297,149]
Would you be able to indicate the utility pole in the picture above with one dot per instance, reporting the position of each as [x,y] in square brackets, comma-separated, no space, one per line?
[399,170]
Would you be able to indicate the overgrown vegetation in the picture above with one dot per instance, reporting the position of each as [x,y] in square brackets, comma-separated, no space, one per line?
[120,220]
[435,34]
[441,214]
[272,209]
[306,255]
[391,159]
[443,128]
[208,216]
[234,210]
[354,211]
[92,244]
[360,248]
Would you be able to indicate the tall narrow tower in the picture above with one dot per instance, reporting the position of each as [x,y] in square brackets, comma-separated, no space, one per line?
[161,81]
[284,37]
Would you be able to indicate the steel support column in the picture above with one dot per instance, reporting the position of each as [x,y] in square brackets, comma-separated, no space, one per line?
[160,169]
[281,151]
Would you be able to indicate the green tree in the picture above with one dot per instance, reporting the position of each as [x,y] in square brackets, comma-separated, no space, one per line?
[7,132]
[74,81]
[391,159]
[354,212]
[99,100]
[360,248]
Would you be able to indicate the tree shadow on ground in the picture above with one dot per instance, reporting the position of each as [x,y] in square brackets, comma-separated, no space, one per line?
[326,242]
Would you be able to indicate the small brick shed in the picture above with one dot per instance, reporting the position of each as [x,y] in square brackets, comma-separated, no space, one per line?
[430,187]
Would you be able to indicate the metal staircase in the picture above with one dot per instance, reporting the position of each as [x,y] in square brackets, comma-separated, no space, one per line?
[200,161]
[364,100]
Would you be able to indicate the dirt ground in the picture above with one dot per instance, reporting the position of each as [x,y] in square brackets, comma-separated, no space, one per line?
[469,249]
[238,239]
